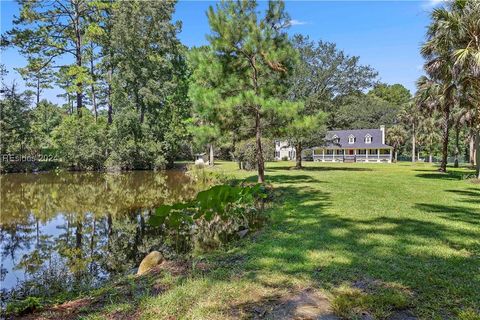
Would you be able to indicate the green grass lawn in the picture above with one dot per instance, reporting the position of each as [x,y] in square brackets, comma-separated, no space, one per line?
[374,238]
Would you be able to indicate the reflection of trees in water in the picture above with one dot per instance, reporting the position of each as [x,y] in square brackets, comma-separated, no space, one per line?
[99,220]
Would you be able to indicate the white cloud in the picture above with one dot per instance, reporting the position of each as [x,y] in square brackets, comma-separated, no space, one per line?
[429,4]
[295,22]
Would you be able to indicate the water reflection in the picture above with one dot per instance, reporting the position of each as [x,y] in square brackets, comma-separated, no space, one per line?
[78,228]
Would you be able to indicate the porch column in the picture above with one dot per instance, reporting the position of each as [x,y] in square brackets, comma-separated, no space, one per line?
[378,155]
[333,155]
[323,155]
[390,161]
[366,155]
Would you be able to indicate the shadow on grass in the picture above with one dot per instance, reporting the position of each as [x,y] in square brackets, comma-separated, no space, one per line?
[306,241]
[441,176]
[455,213]
[332,168]
[470,195]
[281,178]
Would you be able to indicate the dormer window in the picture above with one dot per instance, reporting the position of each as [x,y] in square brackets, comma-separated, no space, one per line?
[335,139]
[368,138]
[351,139]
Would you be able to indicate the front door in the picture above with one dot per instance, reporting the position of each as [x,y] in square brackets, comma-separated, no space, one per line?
[350,152]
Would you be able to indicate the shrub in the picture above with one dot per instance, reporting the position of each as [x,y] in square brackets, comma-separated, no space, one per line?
[246,153]
[24,306]
[81,141]
[133,146]
[213,217]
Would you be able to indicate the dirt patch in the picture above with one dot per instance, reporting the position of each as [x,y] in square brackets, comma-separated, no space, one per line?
[65,311]
[75,308]
[306,304]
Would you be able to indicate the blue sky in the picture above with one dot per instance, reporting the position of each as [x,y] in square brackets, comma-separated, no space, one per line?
[385,34]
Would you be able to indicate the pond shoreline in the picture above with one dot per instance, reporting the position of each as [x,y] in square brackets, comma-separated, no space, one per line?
[178,165]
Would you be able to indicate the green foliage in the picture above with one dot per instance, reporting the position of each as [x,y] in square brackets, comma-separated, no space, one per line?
[150,87]
[396,136]
[15,122]
[324,72]
[81,142]
[360,111]
[45,118]
[243,74]
[23,306]
[394,94]
[133,146]
[246,152]
[216,213]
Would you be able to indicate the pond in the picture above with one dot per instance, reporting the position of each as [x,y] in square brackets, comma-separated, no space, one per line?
[65,230]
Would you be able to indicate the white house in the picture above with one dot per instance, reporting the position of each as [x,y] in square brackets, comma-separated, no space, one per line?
[361,145]
[283,150]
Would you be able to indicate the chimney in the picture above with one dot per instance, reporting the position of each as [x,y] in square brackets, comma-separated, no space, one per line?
[382,128]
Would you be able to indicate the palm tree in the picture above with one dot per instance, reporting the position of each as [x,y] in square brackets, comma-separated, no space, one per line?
[429,135]
[410,116]
[396,137]
[437,95]
[453,53]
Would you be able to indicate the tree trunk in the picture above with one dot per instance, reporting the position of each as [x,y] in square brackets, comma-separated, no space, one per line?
[258,136]
[472,149]
[110,107]
[94,98]
[413,143]
[78,239]
[38,92]
[396,156]
[212,158]
[446,128]
[477,158]
[78,58]
[430,158]
[298,154]
[457,148]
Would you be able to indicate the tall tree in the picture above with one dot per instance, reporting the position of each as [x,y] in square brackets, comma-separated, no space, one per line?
[253,55]
[324,73]
[410,116]
[437,94]
[429,135]
[37,75]
[395,94]
[396,136]
[452,50]
[51,30]
[304,131]
[150,81]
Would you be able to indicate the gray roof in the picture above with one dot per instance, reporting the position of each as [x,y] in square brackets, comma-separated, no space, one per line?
[359,135]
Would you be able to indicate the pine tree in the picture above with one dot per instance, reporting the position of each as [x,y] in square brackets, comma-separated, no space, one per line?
[249,60]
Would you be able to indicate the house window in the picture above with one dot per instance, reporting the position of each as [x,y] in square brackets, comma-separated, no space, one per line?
[368,138]
[277,154]
[351,139]
[361,151]
[339,152]
[329,152]
[277,143]
[335,139]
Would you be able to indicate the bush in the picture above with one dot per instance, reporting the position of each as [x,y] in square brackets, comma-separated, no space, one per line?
[132,145]
[213,217]
[246,152]
[81,142]
[23,306]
